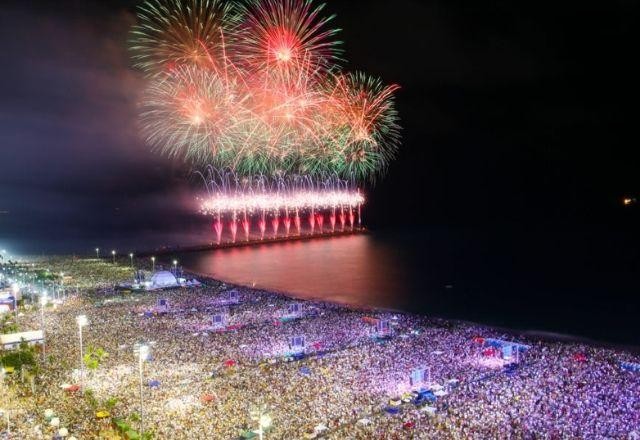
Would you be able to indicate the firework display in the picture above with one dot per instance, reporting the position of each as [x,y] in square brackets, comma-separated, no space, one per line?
[253,91]
[256,86]
[289,204]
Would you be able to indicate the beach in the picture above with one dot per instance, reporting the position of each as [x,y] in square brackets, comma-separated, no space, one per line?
[351,378]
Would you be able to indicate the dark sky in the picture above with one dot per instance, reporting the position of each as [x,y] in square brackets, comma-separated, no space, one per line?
[514,113]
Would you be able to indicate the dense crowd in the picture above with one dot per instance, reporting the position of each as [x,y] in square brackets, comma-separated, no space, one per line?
[201,382]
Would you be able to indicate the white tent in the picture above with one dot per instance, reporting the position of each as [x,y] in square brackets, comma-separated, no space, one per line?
[163,279]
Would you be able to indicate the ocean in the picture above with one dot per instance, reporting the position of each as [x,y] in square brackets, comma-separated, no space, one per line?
[581,283]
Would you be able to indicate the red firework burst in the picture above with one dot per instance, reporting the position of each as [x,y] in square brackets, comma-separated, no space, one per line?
[286,36]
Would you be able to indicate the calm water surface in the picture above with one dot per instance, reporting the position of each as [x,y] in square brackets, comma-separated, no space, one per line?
[356,269]
[581,283]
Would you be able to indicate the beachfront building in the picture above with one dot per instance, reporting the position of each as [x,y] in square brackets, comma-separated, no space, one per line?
[13,340]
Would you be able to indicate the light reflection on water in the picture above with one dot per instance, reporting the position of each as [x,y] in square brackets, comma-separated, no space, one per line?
[354,269]
[521,279]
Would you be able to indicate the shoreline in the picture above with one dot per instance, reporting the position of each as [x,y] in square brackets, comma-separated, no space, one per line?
[531,334]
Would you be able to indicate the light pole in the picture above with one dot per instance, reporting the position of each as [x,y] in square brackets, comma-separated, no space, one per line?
[259,414]
[82,321]
[6,416]
[143,354]
[15,290]
[175,268]
[131,259]
[113,254]
[153,262]
[6,411]
[98,253]
[43,303]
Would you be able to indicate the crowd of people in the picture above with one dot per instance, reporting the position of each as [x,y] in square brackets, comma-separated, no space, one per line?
[351,379]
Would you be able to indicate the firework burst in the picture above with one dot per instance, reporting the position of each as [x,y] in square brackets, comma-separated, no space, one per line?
[255,87]
[286,37]
[364,118]
[195,114]
[175,33]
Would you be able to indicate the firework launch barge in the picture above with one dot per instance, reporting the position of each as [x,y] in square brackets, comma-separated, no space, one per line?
[258,241]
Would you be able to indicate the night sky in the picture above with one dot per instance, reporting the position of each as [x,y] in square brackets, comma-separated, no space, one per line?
[516,115]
